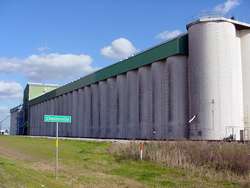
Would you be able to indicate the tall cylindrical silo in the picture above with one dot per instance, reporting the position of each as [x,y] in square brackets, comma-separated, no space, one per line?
[57,112]
[103,108]
[31,125]
[75,118]
[47,111]
[178,97]
[95,110]
[214,75]
[145,105]
[39,109]
[80,113]
[39,128]
[60,106]
[87,112]
[38,125]
[113,129]
[64,112]
[46,125]
[52,112]
[67,112]
[42,124]
[133,128]
[36,131]
[245,58]
[35,120]
[70,113]
[122,102]
[160,99]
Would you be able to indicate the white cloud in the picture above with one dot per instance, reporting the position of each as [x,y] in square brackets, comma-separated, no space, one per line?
[51,67]
[10,90]
[57,66]
[43,49]
[120,48]
[225,7]
[8,65]
[167,35]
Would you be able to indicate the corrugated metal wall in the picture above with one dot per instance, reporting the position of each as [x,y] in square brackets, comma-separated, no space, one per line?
[146,103]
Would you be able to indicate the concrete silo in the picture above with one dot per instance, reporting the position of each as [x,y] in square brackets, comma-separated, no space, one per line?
[215,79]
[245,58]
[122,108]
[178,97]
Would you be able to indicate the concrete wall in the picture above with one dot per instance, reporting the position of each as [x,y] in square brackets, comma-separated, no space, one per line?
[146,103]
[245,57]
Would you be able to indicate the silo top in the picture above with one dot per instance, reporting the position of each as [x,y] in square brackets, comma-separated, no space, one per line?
[239,25]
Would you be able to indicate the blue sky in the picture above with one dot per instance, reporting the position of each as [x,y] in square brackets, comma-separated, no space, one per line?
[46,41]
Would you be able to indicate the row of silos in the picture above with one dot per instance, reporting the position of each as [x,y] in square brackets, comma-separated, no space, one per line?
[204,95]
[219,67]
[146,103]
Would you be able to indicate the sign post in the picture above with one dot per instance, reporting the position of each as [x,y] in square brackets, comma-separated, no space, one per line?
[56,119]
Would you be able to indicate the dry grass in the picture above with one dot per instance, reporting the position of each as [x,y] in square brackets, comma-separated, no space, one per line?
[29,162]
[222,157]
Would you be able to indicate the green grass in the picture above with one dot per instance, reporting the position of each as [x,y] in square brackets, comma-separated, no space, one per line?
[29,162]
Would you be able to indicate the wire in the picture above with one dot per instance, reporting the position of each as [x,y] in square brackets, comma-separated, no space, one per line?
[1,121]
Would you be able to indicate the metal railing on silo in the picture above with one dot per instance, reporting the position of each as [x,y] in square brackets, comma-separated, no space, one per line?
[233,133]
[237,133]
[246,133]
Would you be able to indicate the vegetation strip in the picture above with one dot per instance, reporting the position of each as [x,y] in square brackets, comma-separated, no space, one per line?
[30,163]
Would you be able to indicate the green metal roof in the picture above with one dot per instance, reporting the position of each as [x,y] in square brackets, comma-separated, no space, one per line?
[36,90]
[176,46]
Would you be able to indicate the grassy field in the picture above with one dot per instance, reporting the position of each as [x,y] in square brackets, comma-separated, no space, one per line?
[29,162]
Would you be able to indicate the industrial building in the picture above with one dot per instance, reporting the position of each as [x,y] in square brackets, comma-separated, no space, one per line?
[195,86]
[19,122]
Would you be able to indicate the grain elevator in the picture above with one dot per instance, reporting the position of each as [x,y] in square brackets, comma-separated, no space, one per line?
[195,86]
